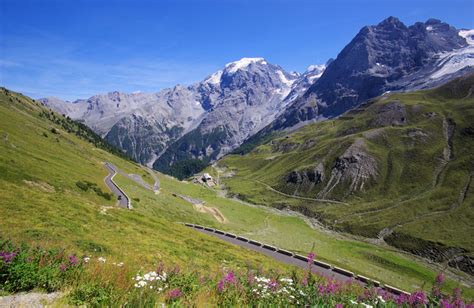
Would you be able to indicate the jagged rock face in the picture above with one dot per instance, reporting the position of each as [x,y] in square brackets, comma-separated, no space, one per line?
[251,93]
[390,114]
[355,168]
[143,139]
[157,124]
[304,81]
[387,57]
[307,176]
[221,111]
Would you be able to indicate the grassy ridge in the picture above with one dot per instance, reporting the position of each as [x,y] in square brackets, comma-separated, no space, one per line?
[42,203]
[415,195]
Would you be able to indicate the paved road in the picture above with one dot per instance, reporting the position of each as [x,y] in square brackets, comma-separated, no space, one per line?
[156,185]
[292,259]
[121,197]
[138,179]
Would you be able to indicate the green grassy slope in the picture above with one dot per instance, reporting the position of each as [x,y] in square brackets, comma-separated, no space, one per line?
[413,153]
[292,233]
[51,210]
[40,202]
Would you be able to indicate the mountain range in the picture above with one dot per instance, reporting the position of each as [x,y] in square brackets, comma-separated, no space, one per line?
[182,129]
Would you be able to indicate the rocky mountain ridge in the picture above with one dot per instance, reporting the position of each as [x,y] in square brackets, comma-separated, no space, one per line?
[251,98]
[238,101]
[386,57]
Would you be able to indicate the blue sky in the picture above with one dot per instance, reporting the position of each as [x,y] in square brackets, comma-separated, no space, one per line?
[75,49]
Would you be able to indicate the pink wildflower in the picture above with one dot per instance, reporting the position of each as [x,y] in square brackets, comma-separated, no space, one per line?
[417,298]
[220,286]
[7,256]
[311,256]
[444,303]
[321,289]
[73,260]
[63,267]
[457,293]
[439,279]
[230,278]
[331,288]
[161,268]
[250,278]
[174,294]
[401,299]
[273,285]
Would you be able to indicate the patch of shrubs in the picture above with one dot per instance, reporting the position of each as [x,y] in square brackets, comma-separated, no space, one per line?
[23,268]
[86,185]
[92,294]
[81,131]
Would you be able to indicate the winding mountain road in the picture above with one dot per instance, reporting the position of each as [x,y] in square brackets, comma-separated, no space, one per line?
[290,258]
[122,198]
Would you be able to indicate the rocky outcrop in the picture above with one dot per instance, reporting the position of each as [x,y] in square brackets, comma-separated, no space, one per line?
[354,169]
[308,176]
[390,114]
[455,257]
[142,138]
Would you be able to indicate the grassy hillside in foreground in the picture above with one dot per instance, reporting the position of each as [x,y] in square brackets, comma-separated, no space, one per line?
[40,164]
[402,164]
[43,205]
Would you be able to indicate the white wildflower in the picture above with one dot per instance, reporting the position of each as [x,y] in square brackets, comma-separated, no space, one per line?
[87,259]
[101,259]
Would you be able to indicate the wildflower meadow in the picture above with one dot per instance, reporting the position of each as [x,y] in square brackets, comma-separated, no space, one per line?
[97,281]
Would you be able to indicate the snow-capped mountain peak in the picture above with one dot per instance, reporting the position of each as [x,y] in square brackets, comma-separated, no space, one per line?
[313,72]
[214,78]
[233,67]
[319,67]
[285,80]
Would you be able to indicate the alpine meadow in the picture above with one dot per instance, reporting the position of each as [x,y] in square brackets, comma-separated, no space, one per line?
[138,169]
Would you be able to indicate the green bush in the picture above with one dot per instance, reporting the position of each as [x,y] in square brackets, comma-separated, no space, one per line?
[85,186]
[92,294]
[82,185]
